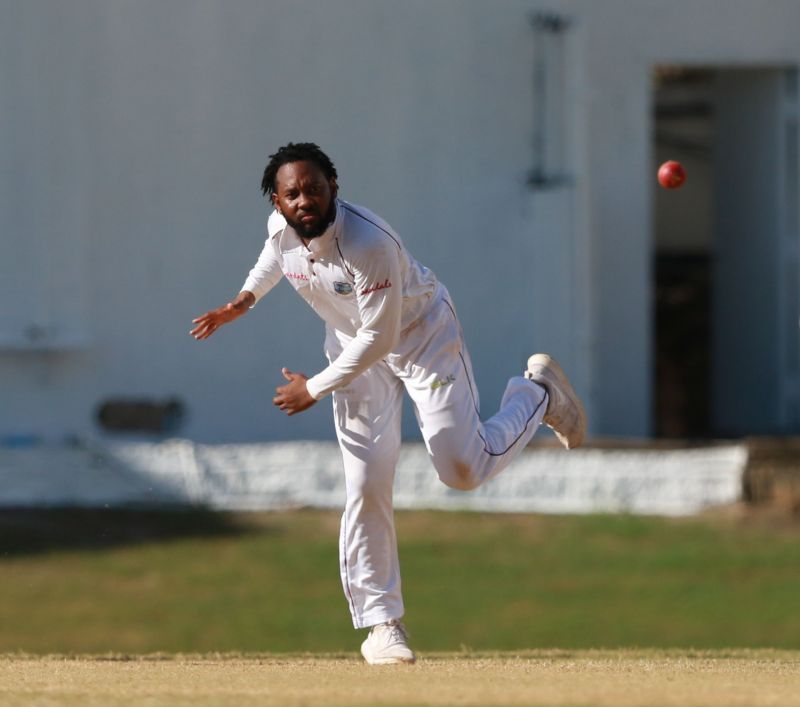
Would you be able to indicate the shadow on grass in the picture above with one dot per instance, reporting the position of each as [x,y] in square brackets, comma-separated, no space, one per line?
[26,531]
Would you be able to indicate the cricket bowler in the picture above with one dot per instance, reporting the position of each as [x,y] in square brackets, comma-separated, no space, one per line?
[390,326]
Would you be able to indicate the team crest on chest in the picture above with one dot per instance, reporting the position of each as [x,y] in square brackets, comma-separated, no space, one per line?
[343,288]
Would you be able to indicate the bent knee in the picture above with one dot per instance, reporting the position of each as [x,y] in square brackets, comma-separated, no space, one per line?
[458,474]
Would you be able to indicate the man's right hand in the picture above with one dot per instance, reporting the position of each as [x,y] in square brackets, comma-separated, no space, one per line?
[209,322]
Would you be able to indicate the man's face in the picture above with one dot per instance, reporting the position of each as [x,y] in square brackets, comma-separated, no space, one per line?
[305,197]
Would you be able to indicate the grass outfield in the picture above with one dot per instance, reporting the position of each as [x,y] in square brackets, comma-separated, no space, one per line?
[587,678]
[192,582]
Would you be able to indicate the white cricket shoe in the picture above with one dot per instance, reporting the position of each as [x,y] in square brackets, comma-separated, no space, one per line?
[386,644]
[565,414]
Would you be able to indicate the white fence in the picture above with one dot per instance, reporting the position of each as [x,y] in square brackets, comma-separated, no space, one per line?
[284,475]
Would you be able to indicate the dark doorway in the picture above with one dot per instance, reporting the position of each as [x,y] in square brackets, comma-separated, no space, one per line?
[683,254]
[725,255]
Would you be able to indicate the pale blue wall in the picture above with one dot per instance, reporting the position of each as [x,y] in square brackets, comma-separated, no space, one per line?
[134,134]
[160,126]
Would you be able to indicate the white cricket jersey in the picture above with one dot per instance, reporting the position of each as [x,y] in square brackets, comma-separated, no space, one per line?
[358,276]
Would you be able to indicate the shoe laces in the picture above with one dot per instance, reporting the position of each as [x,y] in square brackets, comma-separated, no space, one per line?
[395,632]
[555,399]
[559,408]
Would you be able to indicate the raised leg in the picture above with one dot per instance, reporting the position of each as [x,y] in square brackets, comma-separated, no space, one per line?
[436,370]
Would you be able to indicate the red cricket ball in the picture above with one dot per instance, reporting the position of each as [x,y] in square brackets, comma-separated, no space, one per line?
[671,174]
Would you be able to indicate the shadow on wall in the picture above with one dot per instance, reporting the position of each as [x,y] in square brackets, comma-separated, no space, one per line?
[27,531]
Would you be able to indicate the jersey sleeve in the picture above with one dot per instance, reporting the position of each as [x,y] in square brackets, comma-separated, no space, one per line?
[266,273]
[379,294]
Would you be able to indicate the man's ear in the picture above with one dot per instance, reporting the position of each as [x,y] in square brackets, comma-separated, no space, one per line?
[334,187]
[275,203]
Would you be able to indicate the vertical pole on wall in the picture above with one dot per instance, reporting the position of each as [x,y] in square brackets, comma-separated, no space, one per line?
[548,95]
[789,254]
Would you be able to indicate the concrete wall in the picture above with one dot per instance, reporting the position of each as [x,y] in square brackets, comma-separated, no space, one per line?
[133,136]
[160,125]
[621,42]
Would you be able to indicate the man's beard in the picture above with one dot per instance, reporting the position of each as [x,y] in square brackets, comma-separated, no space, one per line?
[314,230]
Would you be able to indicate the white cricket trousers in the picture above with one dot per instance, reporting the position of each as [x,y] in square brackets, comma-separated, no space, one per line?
[432,364]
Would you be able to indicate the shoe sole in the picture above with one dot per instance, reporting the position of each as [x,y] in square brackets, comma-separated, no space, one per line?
[388,661]
[391,661]
[551,364]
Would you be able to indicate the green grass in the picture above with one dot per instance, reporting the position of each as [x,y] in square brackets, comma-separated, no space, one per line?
[126,582]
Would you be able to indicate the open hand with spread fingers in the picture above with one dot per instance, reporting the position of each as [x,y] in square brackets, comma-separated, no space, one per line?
[209,322]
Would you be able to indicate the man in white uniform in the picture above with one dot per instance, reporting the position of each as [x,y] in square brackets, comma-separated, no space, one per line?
[390,326]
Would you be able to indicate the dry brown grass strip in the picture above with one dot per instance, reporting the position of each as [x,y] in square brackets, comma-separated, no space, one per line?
[552,678]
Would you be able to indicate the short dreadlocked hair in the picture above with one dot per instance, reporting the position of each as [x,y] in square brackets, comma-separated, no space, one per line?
[295,152]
